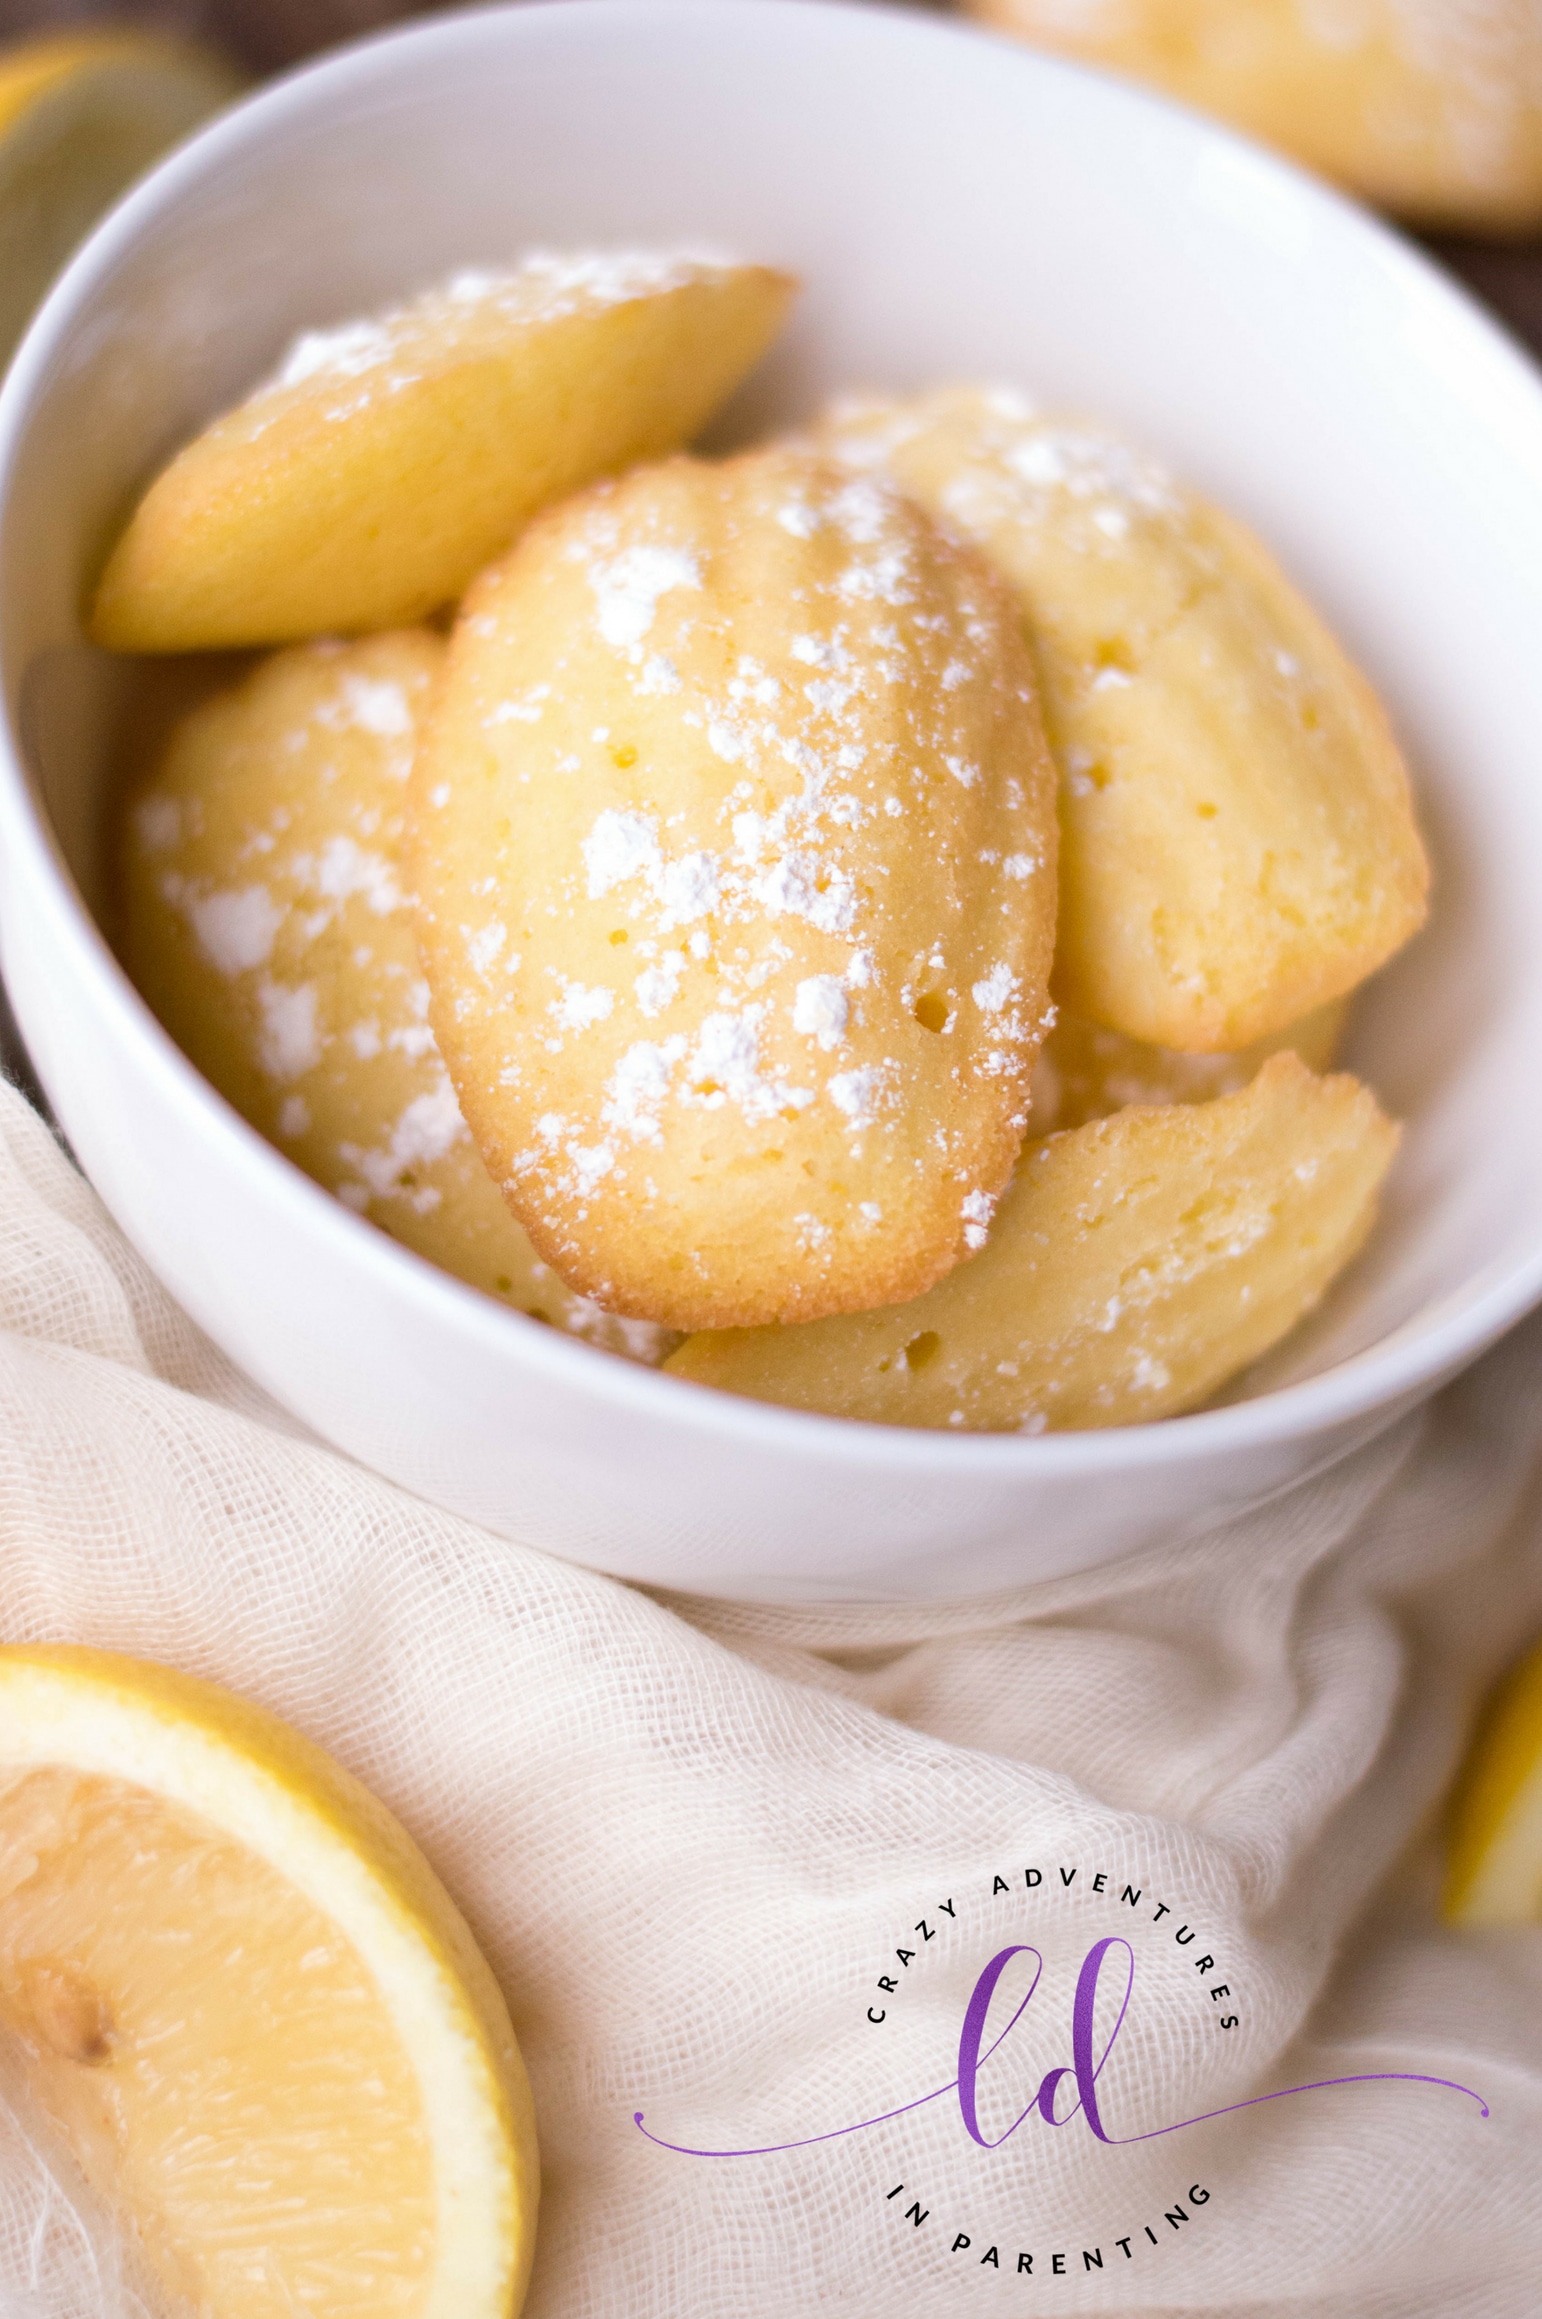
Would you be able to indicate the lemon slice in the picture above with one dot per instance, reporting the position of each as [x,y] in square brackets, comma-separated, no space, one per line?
[1494,1864]
[80,117]
[237,1991]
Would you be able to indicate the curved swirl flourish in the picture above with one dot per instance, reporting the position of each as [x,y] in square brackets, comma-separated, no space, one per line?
[1084,2069]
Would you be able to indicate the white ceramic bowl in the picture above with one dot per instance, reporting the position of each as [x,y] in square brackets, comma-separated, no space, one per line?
[959,208]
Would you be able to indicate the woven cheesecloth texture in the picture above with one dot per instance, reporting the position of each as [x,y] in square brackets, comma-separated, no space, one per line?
[742,1870]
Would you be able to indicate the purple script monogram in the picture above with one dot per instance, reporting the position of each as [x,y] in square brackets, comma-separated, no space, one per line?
[1084,2070]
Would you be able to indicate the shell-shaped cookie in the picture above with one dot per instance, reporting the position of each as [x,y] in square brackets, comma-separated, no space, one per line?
[1086,1072]
[1429,107]
[267,922]
[1238,840]
[1137,1263]
[388,459]
[735,848]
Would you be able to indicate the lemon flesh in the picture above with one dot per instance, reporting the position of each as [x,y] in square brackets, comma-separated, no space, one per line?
[238,1993]
[1494,1864]
[80,118]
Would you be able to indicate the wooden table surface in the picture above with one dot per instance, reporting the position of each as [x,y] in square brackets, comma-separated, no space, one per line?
[266,34]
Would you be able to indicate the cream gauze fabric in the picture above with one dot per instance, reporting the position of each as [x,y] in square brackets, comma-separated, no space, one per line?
[696,1842]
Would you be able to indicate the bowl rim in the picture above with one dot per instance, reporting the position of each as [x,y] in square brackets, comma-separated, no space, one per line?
[1410,1360]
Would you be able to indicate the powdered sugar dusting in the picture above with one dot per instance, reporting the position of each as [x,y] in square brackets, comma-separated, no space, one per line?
[627,590]
[235,928]
[621,845]
[977,1209]
[635,1094]
[579,1007]
[784,745]
[274,835]
[158,823]
[820,1010]
[475,303]
[288,1044]
[346,352]
[994,990]
[428,1127]
[859,1093]
[725,1067]
[1009,466]
[343,867]
[376,707]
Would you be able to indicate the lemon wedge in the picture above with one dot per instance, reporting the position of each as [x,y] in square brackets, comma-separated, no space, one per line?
[80,117]
[235,1988]
[1494,1861]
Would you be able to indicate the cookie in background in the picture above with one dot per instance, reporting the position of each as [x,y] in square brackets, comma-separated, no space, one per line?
[1238,843]
[1087,1072]
[266,921]
[1137,1264]
[1431,111]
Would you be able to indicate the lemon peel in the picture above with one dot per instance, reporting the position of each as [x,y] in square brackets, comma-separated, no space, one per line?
[1494,1854]
[240,1995]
